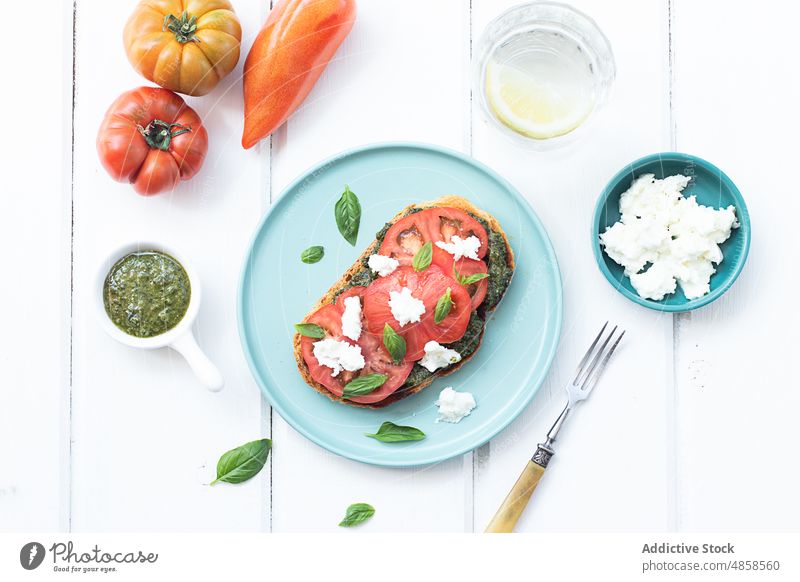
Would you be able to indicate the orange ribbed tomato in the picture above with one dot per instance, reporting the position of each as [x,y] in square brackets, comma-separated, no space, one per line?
[186,46]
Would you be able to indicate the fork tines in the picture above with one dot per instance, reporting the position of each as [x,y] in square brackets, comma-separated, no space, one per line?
[591,368]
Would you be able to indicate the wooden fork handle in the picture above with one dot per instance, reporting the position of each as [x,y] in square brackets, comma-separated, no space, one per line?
[517,499]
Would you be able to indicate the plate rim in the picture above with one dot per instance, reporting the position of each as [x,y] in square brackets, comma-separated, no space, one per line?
[536,381]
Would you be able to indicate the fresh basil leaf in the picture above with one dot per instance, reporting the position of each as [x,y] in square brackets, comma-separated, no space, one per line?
[395,344]
[356,514]
[422,260]
[468,280]
[472,279]
[363,385]
[243,463]
[390,432]
[443,307]
[310,330]
[348,215]
[312,255]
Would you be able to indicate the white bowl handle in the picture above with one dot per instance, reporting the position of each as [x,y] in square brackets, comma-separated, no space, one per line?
[203,368]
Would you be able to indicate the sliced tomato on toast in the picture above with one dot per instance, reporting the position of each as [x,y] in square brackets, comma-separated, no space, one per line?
[406,236]
[466,267]
[377,359]
[428,286]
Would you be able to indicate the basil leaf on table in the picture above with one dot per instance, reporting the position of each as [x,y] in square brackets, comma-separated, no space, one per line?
[243,463]
[390,432]
[312,255]
[443,307]
[363,385]
[348,215]
[395,344]
[310,330]
[468,280]
[422,260]
[356,514]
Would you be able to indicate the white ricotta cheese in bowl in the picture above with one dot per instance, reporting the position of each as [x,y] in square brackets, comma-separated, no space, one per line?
[664,239]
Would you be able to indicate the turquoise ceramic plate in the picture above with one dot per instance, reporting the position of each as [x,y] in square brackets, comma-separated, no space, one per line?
[712,188]
[277,290]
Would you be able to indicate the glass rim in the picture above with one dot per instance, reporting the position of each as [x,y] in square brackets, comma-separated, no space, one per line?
[589,36]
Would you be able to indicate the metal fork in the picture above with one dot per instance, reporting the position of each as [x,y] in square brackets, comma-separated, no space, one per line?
[586,377]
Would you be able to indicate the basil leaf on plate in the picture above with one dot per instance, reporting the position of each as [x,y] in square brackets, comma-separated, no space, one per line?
[390,432]
[363,385]
[443,307]
[312,255]
[395,344]
[422,260]
[356,514]
[468,280]
[243,463]
[310,330]
[348,215]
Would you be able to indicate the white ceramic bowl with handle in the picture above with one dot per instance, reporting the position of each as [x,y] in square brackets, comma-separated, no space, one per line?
[180,338]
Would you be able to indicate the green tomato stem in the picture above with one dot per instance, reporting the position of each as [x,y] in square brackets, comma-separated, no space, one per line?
[184,28]
[159,134]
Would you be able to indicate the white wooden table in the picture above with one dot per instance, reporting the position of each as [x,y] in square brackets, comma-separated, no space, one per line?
[693,428]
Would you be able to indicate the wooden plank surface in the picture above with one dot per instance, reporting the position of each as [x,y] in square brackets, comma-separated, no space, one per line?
[738,395]
[376,89]
[675,416]
[34,232]
[146,435]
[626,424]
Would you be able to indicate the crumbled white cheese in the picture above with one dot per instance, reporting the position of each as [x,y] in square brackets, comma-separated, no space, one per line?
[351,318]
[655,282]
[461,247]
[382,265]
[405,307]
[437,356]
[677,237]
[338,355]
[453,406]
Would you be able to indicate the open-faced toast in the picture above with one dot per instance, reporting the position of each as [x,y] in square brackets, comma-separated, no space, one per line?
[482,296]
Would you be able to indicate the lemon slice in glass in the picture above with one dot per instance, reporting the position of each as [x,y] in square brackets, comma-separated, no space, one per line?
[534,106]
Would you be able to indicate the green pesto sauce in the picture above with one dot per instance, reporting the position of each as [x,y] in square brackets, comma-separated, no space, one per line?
[466,346]
[499,271]
[146,293]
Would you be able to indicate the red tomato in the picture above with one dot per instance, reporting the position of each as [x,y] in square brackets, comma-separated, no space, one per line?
[407,235]
[152,139]
[378,360]
[428,286]
[465,268]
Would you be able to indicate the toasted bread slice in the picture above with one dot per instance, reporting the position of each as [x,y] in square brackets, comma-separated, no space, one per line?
[329,297]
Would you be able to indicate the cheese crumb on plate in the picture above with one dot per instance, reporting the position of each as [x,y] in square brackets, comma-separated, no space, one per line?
[454,405]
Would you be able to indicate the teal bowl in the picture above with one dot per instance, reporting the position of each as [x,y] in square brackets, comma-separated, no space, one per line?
[712,188]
